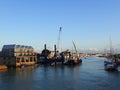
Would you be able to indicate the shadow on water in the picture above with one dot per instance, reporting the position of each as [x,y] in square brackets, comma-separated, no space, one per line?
[17,79]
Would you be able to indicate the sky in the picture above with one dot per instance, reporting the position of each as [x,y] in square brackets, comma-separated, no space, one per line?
[89,23]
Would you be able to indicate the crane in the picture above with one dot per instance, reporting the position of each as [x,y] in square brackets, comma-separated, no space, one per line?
[58,44]
[74,47]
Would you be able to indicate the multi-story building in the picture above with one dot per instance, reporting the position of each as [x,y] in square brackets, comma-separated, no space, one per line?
[18,55]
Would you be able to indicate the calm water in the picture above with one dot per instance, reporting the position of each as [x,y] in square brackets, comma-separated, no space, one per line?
[89,75]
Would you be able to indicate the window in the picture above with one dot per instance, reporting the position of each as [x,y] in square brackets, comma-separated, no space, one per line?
[30,59]
[22,59]
[18,61]
[26,60]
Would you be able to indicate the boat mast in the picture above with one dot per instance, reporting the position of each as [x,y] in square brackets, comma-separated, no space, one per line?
[58,44]
[111,51]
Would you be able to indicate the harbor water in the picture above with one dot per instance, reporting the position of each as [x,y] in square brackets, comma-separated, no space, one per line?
[90,75]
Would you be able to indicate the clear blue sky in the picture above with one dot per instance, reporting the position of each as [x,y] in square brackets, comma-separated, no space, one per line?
[36,22]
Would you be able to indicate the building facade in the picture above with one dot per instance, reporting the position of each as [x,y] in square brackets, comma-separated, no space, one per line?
[18,55]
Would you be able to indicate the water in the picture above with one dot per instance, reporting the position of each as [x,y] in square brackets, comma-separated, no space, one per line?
[89,75]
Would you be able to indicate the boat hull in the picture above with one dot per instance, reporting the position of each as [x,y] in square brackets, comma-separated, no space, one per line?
[50,61]
[110,66]
[73,62]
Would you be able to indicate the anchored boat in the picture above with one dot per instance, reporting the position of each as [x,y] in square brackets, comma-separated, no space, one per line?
[73,59]
[49,57]
[110,65]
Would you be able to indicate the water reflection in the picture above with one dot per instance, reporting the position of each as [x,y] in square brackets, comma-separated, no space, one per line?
[89,75]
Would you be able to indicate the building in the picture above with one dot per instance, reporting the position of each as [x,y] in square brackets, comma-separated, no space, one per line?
[18,55]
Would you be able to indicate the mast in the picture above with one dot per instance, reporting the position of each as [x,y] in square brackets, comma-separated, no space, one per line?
[111,49]
[58,44]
